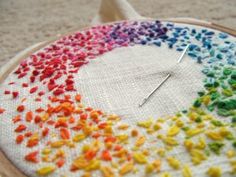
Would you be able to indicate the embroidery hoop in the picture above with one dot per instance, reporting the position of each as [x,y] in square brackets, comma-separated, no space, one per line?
[121,10]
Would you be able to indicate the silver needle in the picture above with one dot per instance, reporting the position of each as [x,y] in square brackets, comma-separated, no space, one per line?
[182,55]
[165,79]
[162,82]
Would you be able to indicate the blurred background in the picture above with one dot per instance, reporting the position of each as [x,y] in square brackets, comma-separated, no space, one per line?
[26,22]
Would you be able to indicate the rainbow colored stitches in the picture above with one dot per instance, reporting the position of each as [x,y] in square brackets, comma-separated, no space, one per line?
[68,137]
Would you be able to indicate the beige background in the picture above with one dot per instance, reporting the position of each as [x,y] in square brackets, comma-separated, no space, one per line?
[25,22]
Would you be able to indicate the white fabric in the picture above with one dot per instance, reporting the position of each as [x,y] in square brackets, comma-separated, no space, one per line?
[116,82]
[118,10]
[115,10]
[119,80]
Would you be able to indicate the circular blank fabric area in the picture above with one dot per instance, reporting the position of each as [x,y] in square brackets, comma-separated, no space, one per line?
[119,80]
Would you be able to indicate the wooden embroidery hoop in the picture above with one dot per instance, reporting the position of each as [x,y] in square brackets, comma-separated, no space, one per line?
[110,11]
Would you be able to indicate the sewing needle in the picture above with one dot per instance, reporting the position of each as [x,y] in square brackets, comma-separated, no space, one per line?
[165,79]
[183,53]
[162,82]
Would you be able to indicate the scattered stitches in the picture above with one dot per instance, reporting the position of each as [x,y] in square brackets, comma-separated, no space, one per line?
[101,138]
